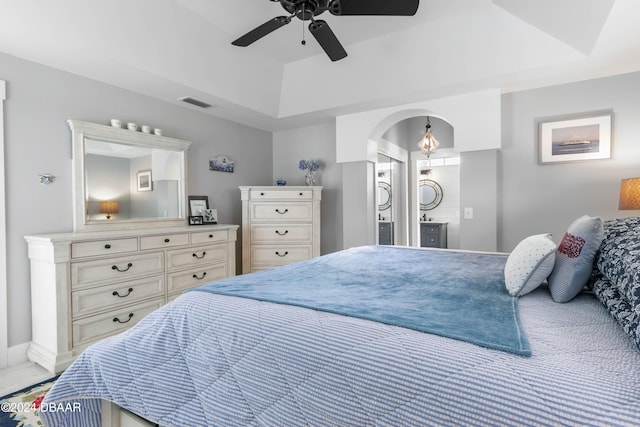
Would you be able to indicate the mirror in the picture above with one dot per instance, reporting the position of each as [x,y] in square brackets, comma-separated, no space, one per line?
[430,194]
[384,196]
[126,179]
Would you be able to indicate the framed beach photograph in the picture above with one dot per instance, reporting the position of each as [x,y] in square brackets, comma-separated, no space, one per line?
[577,138]
[144,181]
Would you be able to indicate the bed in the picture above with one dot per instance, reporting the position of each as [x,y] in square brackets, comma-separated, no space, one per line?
[228,355]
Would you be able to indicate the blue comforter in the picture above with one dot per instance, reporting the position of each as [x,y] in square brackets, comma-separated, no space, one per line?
[455,294]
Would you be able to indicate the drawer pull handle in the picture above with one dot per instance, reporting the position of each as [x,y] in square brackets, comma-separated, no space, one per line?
[117,294]
[211,236]
[282,212]
[282,255]
[302,194]
[107,246]
[262,194]
[282,234]
[167,240]
[115,319]
[115,267]
[199,257]
[195,276]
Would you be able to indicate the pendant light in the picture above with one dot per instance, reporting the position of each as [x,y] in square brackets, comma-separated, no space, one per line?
[428,143]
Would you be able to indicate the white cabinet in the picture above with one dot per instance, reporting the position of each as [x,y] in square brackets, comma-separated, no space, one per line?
[91,285]
[280,225]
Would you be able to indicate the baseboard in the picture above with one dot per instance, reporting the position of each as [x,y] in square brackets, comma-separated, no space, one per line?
[17,354]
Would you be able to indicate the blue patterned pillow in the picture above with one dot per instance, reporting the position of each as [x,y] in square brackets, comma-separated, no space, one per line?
[625,313]
[575,257]
[619,258]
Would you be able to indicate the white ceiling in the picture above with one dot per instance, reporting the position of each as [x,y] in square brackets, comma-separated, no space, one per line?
[169,49]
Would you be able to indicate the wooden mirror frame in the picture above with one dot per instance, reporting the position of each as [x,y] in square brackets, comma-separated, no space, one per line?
[81,131]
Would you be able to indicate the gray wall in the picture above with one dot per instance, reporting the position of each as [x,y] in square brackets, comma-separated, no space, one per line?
[314,143]
[547,198]
[109,172]
[38,140]
[478,190]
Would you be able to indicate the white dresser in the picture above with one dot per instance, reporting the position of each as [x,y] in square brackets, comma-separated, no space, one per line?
[280,225]
[91,285]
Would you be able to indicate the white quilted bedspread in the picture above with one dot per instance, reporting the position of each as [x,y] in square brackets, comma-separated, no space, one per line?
[213,360]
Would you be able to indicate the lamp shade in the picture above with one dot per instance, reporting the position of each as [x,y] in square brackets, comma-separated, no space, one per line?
[629,194]
[109,207]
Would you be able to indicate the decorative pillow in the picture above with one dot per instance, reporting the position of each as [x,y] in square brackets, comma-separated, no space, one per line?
[619,259]
[574,258]
[529,264]
[626,313]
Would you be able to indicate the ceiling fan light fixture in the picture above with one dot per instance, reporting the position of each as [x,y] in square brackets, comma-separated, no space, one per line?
[307,10]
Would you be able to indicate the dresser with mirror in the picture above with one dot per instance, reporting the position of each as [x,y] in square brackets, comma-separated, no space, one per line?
[130,251]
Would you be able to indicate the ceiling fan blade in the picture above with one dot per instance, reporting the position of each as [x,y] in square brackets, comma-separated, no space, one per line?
[374,7]
[327,40]
[261,31]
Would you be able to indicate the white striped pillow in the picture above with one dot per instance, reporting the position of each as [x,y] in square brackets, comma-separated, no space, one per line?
[574,258]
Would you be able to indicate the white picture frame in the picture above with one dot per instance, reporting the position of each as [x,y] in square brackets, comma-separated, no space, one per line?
[575,138]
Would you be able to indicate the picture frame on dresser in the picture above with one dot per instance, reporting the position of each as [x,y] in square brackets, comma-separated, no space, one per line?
[196,220]
[210,216]
[197,205]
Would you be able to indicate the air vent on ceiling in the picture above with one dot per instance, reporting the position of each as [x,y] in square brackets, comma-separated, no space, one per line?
[196,102]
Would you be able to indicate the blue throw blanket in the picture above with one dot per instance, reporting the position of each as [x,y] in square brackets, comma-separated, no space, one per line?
[454,294]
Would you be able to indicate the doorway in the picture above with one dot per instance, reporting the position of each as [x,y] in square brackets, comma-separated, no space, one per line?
[435,183]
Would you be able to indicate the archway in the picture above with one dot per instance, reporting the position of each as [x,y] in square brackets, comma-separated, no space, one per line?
[476,118]
[401,171]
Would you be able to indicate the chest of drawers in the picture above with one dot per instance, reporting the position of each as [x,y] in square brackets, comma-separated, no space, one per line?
[88,286]
[280,225]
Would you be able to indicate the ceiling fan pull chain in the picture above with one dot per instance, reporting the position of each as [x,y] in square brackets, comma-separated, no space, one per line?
[304,42]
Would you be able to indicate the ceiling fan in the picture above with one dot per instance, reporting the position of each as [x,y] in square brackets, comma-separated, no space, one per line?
[307,10]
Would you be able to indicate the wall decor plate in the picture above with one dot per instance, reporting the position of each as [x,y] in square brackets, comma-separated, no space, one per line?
[221,164]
